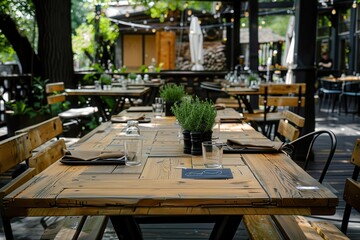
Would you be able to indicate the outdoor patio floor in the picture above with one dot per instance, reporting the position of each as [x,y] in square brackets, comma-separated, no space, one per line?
[345,126]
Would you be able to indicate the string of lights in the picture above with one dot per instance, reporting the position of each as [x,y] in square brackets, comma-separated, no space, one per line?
[155,28]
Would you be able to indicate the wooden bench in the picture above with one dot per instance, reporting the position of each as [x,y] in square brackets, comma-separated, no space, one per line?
[299,227]
[20,149]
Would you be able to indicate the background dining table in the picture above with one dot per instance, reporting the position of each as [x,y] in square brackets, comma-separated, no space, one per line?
[261,183]
[118,93]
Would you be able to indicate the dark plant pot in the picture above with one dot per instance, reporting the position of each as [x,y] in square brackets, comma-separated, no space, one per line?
[187,142]
[17,122]
[168,111]
[196,139]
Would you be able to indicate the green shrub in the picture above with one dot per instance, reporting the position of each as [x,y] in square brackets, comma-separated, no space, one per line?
[172,93]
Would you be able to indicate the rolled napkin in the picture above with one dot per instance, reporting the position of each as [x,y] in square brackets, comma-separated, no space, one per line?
[253,146]
[94,158]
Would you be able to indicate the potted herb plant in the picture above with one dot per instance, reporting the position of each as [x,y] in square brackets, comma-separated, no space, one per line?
[171,94]
[197,118]
[105,81]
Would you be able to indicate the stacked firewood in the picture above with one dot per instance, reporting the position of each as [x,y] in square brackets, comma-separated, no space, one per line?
[214,59]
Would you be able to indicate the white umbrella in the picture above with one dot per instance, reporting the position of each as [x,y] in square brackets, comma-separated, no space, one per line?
[290,61]
[196,44]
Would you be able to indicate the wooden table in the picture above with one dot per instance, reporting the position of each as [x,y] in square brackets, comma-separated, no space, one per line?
[341,79]
[120,94]
[262,183]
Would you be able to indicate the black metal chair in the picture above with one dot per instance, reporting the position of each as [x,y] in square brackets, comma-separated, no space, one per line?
[350,90]
[310,140]
[329,93]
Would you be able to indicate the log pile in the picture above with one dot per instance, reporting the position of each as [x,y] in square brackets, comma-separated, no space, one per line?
[214,58]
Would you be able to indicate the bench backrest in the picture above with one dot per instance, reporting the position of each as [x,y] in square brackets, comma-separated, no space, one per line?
[13,151]
[47,156]
[43,132]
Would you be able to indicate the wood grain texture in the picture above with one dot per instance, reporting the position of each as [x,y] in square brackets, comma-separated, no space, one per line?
[13,151]
[43,132]
[262,183]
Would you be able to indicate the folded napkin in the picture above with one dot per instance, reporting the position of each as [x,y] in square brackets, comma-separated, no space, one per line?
[129,116]
[93,158]
[253,146]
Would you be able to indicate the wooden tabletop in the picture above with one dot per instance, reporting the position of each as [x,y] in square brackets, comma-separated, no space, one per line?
[341,79]
[115,91]
[262,183]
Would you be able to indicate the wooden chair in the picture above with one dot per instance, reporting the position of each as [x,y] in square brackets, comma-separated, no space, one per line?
[298,227]
[57,96]
[276,96]
[290,126]
[13,151]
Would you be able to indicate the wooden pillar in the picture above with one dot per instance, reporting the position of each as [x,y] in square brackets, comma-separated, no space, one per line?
[253,35]
[228,44]
[236,35]
[304,55]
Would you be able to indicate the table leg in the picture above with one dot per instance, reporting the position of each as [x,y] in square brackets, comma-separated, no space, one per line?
[246,103]
[226,227]
[98,103]
[126,228]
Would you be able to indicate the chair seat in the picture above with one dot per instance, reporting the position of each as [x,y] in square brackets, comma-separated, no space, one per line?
[78,112]
[330,91]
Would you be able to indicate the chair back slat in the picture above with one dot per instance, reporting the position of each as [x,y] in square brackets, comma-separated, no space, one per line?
[287,130]
[57,98]
[290,126]
[283,89]
[13,151]
[43,132]
[294,118]
[355,158]
[47,156]
[283,101]
[55,87]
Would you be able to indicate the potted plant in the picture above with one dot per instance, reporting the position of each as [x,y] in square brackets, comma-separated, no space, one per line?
[197,118]
[171,94]
[105,81]
[29,111]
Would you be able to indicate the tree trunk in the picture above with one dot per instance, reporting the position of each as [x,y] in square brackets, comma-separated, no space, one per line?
[55,50]
[28,59]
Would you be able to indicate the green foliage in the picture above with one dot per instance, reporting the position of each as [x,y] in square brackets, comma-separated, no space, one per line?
[105,79]
[7,52]
[84,42]
[160,8]
[131,76]
[22,12]
[19,108]
[195,115]
[37,105]
[172,93]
